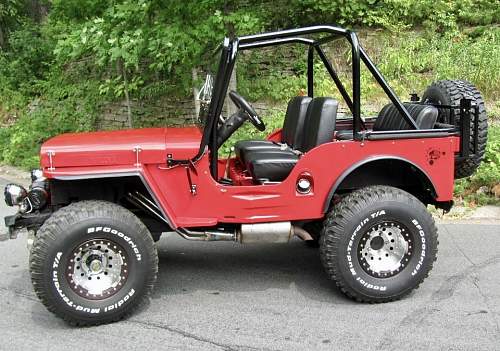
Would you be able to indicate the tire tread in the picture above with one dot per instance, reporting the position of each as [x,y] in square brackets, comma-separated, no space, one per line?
[339,217]
[52,230]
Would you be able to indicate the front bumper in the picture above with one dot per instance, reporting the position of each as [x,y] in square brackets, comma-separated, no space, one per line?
[18,222]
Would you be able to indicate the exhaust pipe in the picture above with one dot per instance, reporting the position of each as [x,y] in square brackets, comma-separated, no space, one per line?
[275,232]
[207,235]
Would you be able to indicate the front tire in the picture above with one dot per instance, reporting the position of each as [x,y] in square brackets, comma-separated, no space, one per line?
[378,244]
[93,262]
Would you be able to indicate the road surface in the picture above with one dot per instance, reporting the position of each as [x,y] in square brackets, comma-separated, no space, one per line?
[224,296]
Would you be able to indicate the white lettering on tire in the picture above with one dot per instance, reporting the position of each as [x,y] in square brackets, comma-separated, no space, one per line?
[79,308]
[349,257]
[423,243]
[120,235]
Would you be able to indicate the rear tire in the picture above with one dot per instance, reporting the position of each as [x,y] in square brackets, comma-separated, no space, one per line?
[93,262]
[450,92]
[378,244]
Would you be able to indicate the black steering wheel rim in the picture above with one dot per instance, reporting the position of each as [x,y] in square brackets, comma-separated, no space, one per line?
[243,105]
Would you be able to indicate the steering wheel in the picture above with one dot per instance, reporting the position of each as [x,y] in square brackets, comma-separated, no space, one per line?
[244,106]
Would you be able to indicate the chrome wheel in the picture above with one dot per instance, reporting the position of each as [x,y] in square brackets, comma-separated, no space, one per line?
[385,249]
[97,269]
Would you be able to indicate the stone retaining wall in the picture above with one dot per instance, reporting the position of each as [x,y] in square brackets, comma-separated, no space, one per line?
[160,113]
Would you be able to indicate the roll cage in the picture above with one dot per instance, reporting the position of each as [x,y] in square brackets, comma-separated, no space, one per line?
[229,50]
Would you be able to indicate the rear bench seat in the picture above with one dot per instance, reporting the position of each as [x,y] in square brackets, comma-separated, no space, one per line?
[389,118]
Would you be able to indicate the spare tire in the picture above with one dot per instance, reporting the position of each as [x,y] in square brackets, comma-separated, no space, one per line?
[450,92]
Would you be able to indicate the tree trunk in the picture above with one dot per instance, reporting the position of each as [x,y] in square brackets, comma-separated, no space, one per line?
[127,96]
[2,36]
[37,11]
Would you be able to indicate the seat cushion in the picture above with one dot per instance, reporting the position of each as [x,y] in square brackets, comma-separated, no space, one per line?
[293,126]
[389,118]
[291,134]
[244,146]
[271,166]
[320,122]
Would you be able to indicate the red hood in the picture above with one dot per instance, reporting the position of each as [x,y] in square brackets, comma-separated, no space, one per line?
[109,148]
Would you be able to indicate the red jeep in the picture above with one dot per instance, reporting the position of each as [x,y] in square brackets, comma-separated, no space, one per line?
[357,186]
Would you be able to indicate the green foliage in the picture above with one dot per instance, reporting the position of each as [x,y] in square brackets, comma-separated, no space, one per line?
[151,39]
[273,121]
[409,61]
[486,177]
[474,56]
[69,108]
[441,15]
[78,10]
[10,17]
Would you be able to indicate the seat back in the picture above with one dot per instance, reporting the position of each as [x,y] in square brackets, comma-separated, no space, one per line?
[320,123]
[293,126]
[389,118]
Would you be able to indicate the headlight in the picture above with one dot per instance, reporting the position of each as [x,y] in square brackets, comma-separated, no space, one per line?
[14,194]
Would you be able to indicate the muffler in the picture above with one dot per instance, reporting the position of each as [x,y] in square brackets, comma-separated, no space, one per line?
[275,232]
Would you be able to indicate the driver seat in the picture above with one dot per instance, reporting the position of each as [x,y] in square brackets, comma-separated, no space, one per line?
[291,134]
[319,126]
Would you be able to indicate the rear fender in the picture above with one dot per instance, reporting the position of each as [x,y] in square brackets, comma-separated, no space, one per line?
[353,176]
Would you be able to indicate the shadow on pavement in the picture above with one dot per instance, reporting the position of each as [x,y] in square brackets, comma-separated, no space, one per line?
[231,267]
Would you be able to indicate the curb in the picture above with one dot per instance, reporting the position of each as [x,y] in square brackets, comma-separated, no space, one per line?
[16,175]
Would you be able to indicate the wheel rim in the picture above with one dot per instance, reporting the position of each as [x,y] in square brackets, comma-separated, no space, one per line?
[97,269]
[385,249]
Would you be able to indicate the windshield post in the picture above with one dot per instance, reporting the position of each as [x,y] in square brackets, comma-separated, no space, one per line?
[356,86]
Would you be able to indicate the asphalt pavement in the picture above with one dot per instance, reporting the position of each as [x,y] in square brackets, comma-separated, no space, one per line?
[225,296]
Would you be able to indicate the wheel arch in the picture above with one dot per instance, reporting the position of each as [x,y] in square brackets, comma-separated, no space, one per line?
[112,187]
[419,184]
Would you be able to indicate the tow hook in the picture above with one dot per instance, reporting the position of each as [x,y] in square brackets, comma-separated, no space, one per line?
[7,233]
[4,234]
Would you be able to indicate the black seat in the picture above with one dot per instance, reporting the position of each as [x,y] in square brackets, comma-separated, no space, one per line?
[389,118]
[291,134]
[319,125]
[270,165]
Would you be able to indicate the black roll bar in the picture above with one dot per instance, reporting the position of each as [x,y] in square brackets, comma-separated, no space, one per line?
[231,47]
[335,77]
[358,54]
[294,32]
[265,43]
[387,89]
[310,72]
[295,36]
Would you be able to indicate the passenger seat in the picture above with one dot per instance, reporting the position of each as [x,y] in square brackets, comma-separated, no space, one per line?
[291,134]
[319,125]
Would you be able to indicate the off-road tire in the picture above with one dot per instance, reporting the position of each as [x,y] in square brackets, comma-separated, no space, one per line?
[450,92]
[350,220]
[69,229]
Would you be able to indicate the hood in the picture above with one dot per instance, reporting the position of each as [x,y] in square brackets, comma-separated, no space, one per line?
[109,148]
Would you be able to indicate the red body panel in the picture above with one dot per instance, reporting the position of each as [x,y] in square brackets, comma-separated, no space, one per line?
[112,148]
[107,153]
